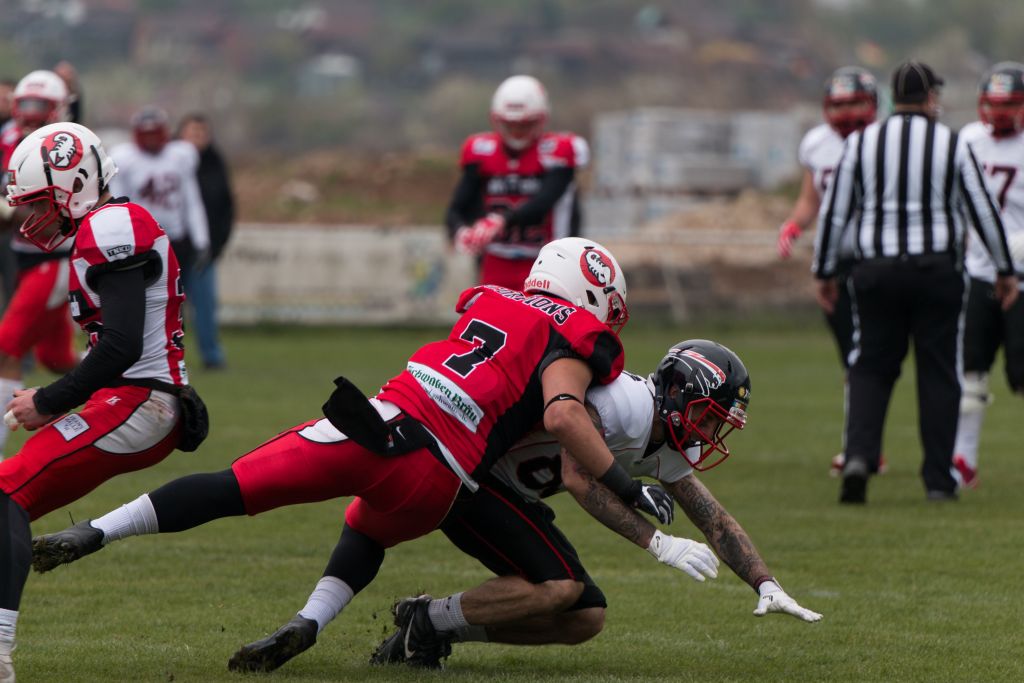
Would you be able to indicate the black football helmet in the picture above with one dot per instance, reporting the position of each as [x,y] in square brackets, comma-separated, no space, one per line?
[851,99]
[702,390]
[1001,99]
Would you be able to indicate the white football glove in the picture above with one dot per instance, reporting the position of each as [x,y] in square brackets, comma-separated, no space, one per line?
[774,599]
[696,559]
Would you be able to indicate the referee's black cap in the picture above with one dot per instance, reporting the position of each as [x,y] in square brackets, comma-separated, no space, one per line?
[912,81]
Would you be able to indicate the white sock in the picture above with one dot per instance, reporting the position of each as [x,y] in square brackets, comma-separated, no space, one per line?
[8,622]
[968,434]
[446,613]
[134,519]
[330,596]
[7,389]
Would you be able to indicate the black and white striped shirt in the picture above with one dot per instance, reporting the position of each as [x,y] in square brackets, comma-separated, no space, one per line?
[907,186]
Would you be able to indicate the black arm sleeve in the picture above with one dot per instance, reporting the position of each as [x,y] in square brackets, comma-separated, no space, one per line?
[123,299]
[467,200]
[532,211]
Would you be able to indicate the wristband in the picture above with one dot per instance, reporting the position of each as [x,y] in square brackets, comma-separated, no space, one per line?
[622,485]
[764,579]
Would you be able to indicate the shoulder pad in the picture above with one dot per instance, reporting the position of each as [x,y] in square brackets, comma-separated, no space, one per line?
[478,146]
[114,233]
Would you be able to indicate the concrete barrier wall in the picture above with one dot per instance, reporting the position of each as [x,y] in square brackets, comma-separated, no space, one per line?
[359,275]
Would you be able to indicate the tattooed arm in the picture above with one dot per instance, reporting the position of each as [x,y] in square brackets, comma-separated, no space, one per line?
[598,499]
[722,531]
[603,505]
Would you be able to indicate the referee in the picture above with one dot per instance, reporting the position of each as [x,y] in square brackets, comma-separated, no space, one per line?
[907,187]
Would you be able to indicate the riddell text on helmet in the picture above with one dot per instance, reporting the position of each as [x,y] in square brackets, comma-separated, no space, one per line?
[536,283]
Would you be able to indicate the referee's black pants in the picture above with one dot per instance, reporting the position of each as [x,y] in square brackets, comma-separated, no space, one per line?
[894,300]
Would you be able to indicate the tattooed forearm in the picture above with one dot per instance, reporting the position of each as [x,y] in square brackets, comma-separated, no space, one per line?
[604,505]
[723,532]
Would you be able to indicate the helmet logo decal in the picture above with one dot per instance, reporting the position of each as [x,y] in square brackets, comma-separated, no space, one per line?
[1000,84]
[597,267]
[707,375]
[62,150]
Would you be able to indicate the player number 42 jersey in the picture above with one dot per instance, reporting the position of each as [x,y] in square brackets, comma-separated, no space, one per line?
[626,407]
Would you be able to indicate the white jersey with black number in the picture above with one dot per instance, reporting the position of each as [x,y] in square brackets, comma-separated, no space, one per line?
[1003,162]
[626,407]
[819,153]
[164,184]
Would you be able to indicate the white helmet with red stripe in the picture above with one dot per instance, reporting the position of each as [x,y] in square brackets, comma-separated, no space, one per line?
[583,273]
[60,171]
[519,111]
[40,98]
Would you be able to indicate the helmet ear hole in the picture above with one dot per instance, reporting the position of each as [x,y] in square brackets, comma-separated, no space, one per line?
[78,186]
[591,298]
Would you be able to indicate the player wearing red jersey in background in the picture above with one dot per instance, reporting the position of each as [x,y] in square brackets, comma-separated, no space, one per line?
[997,140]
[518,186]
[512,360]
[850,103]
[37,313]
[126,295]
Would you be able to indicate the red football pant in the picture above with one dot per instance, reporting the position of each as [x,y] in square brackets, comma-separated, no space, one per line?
[71,456]
[504,272]
[400,497]
[37,316]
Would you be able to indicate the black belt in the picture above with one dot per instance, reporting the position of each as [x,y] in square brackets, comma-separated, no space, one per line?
[945,258]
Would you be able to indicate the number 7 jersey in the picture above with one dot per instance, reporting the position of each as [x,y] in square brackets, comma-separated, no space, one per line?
[479,390]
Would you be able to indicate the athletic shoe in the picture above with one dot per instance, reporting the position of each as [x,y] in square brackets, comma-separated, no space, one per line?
[968,476]
[838,460]
[391,650]
[292,639]
[936,496]
[855,482]
[64,547]
[422,645]
[6,669]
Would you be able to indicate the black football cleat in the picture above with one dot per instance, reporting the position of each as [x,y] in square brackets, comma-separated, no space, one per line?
[855,482]
[292,639]
[422,646]
[49,551]
[391,650]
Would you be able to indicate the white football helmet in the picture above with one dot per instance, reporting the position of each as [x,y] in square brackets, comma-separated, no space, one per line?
[519,111]
[583,273]
[62,170]
[40,98]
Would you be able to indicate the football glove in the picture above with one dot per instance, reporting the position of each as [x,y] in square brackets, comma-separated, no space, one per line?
[696,559]
[656,502]
[473,239]
[774,599]
[788,233]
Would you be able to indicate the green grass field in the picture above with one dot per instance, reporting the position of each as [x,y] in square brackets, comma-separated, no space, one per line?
[911,591]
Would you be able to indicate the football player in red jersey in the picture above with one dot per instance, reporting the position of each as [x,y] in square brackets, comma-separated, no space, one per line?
[518,186]
[125,293]
[514,359]
[37,314]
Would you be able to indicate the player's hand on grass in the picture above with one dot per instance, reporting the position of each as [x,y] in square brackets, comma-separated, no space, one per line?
[692,557]
[656,502]
[774,599]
